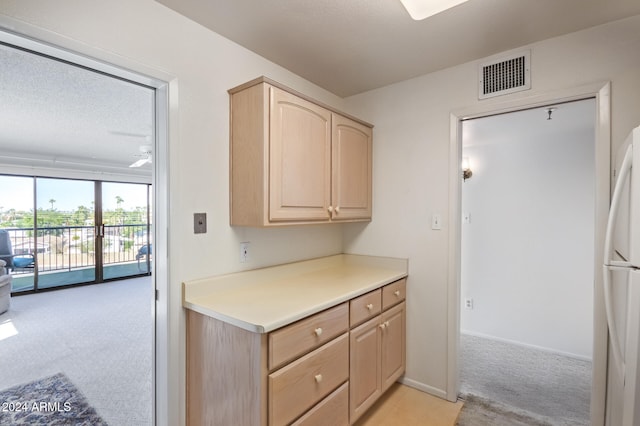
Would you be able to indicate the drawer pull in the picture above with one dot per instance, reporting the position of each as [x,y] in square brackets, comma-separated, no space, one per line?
[370,306]
[318,331]
[318,378]
[386,323]
[382,326]
[397,293]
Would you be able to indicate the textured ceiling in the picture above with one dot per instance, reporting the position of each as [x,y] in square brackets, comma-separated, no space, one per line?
[57,115]
[352,46]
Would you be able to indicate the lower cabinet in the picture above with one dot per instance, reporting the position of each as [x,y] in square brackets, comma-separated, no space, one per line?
[297,387]
[326,369]
[377,358]
[393,345]
[366,361]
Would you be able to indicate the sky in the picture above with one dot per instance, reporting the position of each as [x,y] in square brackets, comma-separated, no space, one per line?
[17,193]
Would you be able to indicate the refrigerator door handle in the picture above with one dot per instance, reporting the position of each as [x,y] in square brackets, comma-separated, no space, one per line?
[609,263]
[616,343]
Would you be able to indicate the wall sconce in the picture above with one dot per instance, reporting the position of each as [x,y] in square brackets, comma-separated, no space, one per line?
[466,169]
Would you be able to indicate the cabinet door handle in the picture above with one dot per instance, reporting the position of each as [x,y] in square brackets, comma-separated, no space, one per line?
[370,306]
[318,378]
[397,293]
[382,326]
[337,209]
[318,331]
[330,209]
[386,323]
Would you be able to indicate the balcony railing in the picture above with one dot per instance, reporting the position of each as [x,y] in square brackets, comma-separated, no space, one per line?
[64,248]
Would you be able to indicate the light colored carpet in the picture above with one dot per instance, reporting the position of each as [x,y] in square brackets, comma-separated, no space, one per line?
[549,386]
[99,336]
[478,411]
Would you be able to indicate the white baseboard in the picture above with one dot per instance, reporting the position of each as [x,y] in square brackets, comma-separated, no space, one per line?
[424,388]
[526,345]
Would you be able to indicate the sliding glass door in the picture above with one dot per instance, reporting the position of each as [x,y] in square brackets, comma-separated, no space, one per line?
[62,232]
[65,240]
[127,248]
[17,230]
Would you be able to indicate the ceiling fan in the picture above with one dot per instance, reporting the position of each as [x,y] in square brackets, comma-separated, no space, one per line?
[145,153]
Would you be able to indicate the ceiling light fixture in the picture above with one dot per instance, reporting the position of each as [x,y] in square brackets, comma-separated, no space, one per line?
[145,153]
[421,9]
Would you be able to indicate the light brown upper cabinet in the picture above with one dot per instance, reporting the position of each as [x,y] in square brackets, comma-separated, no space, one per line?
[294,160]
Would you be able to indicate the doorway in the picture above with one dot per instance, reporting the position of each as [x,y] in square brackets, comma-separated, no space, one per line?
[78,165]
[527,262]
[601,92]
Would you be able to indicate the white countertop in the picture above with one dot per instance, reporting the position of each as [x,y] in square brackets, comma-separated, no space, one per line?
[262,300]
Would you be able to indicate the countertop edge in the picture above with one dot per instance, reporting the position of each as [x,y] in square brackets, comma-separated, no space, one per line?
[196,292]
[225,318]
[326,305]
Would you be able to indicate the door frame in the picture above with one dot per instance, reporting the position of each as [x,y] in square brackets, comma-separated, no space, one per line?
[166,339]
[601,91]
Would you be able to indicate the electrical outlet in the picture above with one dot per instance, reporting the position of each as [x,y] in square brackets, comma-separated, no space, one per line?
[468,303]
[244,252]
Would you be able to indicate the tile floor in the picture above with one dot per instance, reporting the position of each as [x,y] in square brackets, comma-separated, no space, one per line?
[402,405]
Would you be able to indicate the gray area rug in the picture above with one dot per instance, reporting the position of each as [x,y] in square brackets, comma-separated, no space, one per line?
[550,387]
[52,401]
[478,411]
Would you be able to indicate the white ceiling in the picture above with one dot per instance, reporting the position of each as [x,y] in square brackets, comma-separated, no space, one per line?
[56,115]
[568,120]
[352,46]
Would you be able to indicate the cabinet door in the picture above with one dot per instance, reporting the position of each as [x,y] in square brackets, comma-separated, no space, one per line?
[300,159]
[393,344]
[351,163]
[365,384]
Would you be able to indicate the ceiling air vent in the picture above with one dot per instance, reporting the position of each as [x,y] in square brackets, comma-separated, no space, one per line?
[505,75]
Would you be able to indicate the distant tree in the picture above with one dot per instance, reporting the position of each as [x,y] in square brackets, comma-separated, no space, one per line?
[80,216]
[52,201]
[119,212]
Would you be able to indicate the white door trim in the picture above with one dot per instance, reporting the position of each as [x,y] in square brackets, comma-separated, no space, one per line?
[601,92]
[167,354]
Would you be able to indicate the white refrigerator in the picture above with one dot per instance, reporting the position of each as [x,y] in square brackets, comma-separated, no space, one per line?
[622,288]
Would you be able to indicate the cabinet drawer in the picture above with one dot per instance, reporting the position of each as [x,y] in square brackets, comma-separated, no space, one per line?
[333,410]
[364,307]
[394,293]
[298,386]
[305,335]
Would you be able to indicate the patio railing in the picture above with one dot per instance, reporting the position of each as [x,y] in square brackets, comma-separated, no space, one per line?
[72,247]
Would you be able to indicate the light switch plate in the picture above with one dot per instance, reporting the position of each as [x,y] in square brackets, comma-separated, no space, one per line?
[199,223]
[436,222]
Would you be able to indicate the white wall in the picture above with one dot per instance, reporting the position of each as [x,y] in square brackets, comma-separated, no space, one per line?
[147,37]
[528,250]
[411,150]
[411,167]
